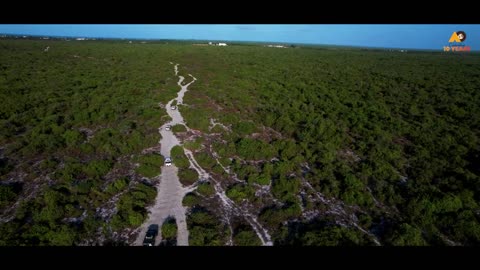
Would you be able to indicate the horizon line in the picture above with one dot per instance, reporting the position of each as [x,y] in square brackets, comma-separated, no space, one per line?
[249,41]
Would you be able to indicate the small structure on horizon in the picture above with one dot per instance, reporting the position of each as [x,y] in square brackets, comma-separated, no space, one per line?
[276,46]
[215,44]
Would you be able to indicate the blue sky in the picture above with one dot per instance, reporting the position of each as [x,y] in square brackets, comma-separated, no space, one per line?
[388,36]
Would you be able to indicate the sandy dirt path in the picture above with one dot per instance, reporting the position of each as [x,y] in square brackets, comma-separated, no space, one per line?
[170,191]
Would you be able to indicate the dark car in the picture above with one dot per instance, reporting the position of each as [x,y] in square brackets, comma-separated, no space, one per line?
[150,236]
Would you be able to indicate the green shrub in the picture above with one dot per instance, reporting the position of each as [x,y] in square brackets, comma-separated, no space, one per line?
[246,238]
[239,192]
[5,166]
[150,165]
[255,149]
[407,235]
[148,170]
[73,137]
[205,160]
[194,145]
[217,129]
[187,176]
[131,207]
[205,229]
[244,128]
[190,200]
[179,158]
[169,229]
[179,128]
[7,195]
[98,168]
[206,189]
[117,185]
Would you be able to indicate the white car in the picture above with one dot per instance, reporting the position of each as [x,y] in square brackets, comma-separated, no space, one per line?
[167,128]
[173,107]
[168,161]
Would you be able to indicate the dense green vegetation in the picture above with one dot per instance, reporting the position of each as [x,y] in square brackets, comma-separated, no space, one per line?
[398,129]
[394,136]
[150,165]
[187,176]
[63,215]
[206,189]
[72,117]
[132,207]
[190,200]
[205,160]
[195,119]
[179,128]
[245,236]
[205,229]
[240,192]
[179,158]
[193,145]
[7,195]
[169,232]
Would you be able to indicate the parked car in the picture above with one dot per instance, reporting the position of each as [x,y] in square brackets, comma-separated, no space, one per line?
[168,161]
[173,107]
[167,128]
[150,236]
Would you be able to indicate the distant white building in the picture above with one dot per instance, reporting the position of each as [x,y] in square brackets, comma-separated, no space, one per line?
[276,46]
[210,43]
[222,44]
[81,38]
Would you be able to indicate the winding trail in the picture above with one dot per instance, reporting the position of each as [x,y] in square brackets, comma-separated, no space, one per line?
[337,208]
[170,191]
[232,209]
